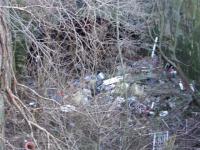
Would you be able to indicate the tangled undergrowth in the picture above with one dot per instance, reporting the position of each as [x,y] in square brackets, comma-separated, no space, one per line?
[56,101]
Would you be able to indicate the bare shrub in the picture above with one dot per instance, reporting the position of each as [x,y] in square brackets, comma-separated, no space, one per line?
[63,41]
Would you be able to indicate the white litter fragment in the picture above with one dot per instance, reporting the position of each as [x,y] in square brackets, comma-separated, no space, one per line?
[100,76]
[37,58]
[163,113]
[120,100]
[160,139]
[152,113]
[137,107]
[181,85]
[192,87]
[154,47]
[32,104]
[137,89]
[152,105]
[113,80]
[67,108]
[109,87]
[82,97]
[117,103]
[173,72]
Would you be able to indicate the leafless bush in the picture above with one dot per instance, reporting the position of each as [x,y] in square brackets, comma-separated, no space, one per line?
[64,40]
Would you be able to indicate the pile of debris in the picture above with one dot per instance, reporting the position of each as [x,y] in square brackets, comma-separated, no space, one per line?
[147,94]
[136,102]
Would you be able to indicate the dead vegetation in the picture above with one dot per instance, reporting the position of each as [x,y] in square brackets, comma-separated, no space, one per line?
[57,102]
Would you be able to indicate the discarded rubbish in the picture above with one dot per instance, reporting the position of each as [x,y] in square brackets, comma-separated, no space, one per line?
[77,83]
[154,47]
[88,77]
[181,85]
[67,108]
[172,72]
[55,94]
[167,66]
[172,104]
[100,76]
[131,99]
[152,113]
[37,59]
[160,139]
[152,105]
[82,97]
[119,101]
[137,89]
[192,87]
[92,83]
[79,98]
[138,107]
[33,104]
[109,87]
[163,113]
[57,97]
[29,145]
[113,80]
[145,70]
[121,88]
[98,83]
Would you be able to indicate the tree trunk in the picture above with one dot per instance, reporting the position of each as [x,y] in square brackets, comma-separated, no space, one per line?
[5,64]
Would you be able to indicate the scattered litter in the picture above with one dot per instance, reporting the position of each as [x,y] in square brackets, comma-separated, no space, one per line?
[192,87]
[82,96]
[93,83]
[160,139]
[37,59]
[145,70]
[172,104]
[89,77]
[161,82]
[181,85]
[121,88]
[87,92]
[67,108]
[117,103]
[167,66]
[113,80]
[172,72]
[154,47]
[72,124]
[57,98]
[120,100]
[138,107]
[29,145]
[163,113]
[137,89]
[33,104]
[132,99]
[101,76]
[109,87]
[152,113]
[152,105]
[55,94]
